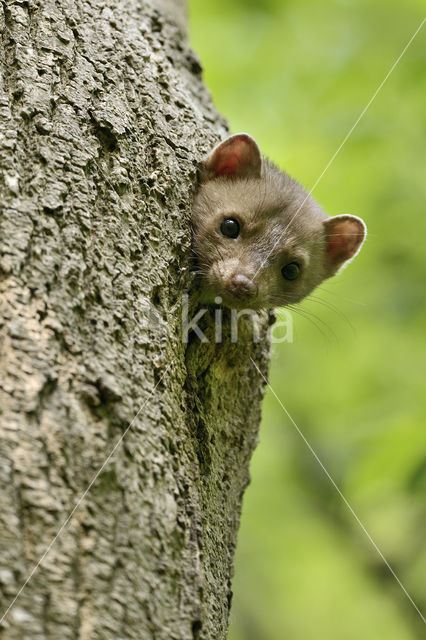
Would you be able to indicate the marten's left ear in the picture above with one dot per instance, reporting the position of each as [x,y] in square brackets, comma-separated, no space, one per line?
[344,237]
[238,156]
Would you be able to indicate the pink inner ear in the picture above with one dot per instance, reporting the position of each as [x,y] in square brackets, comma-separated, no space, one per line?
[344,239]
[227,164]
[237,156]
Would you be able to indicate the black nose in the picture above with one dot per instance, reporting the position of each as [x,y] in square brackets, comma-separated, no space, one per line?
[241,287]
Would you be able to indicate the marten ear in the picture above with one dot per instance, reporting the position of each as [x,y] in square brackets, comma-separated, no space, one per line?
[344,237]
[238,156]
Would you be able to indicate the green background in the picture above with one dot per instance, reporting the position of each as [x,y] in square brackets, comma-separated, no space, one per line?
[296,76]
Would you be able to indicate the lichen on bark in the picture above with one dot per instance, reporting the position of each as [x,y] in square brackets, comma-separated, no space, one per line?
[103,120]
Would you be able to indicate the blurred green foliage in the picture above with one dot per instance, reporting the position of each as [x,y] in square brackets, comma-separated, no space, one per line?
[296,75]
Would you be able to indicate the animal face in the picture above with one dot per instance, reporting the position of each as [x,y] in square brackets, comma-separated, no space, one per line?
[260,239]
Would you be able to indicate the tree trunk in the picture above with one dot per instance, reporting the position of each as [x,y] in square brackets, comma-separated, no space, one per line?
[124,450]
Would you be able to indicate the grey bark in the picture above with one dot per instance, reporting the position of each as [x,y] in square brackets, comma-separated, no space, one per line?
[104,117]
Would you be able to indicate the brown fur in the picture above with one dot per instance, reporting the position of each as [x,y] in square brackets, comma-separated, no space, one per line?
[280,223]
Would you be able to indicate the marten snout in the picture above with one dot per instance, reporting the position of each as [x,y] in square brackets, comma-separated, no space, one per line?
[241,287]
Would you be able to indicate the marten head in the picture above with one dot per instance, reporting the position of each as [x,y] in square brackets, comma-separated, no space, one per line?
[261,240]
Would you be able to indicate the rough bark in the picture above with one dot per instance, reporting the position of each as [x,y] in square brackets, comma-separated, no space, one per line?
[103,117]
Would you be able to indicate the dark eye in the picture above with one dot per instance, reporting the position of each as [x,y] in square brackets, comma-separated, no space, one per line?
[230,228]
[291,271]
